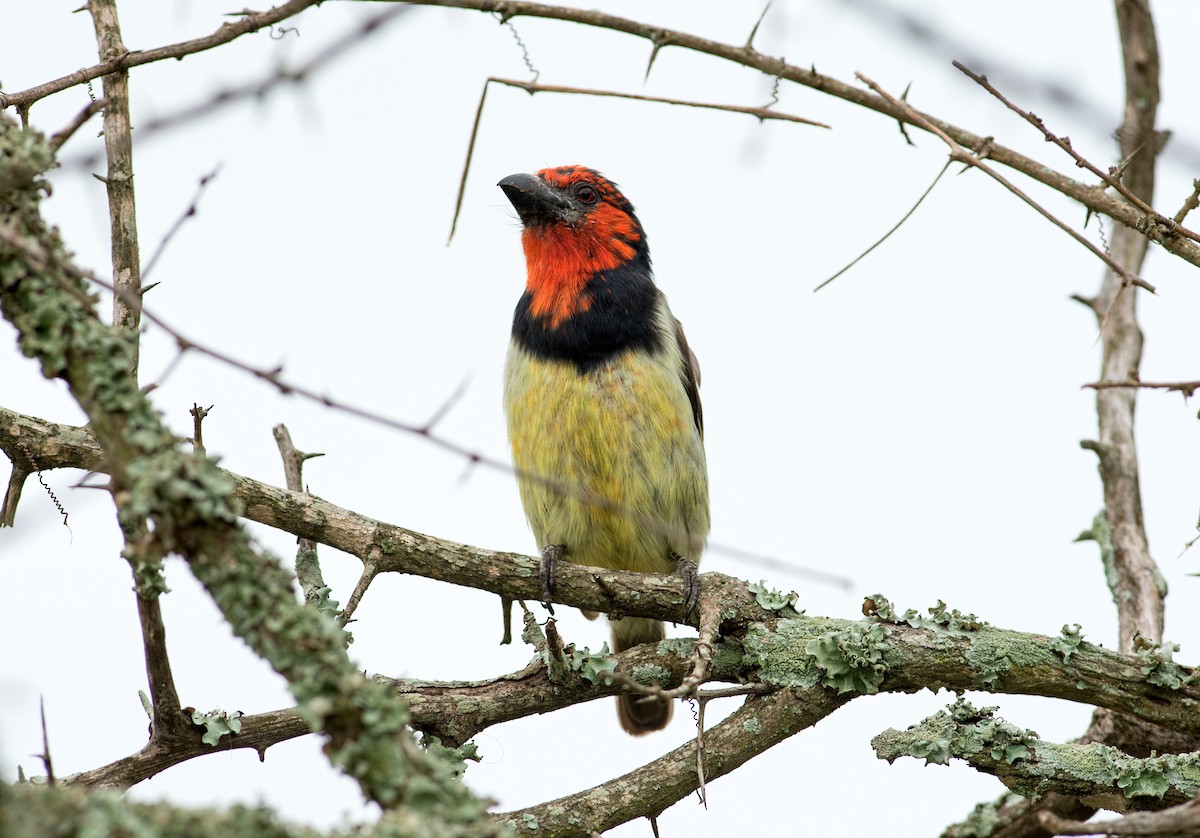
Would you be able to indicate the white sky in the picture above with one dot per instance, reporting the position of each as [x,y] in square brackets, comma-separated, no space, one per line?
[914,426]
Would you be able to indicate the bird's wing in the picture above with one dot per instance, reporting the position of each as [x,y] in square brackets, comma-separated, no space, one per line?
[691,376]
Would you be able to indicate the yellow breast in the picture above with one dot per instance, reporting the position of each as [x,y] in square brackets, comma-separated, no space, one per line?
[621,432]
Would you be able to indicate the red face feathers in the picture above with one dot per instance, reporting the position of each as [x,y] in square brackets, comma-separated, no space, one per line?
[577,226]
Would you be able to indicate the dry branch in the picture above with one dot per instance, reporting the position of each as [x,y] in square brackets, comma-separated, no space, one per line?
[1094,198]
[246,23]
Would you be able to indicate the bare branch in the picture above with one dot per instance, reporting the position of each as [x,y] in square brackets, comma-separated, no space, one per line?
[308,568]
[246,23]
[1111,177]
[1188,388]
[1140,586]
[533,87]
[1093,197]
[261,87]
[179,222]
[653,787]
[888,234]
[1190,204]
[122,210]
[761,113]
[60,137]
[960,154]
[1177,822]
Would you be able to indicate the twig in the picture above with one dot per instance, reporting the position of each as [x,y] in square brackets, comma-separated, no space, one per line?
[179,222]
[1093,197]
[308,567]
[198,414]
[245,24]
[1188,388]
[122,206]
[701,787]
[532,88]
[1190,204]
[757,24]
[12,494]
[1111,177]
[709,629]
[1180,820]
[369,572]
[462,182]
[672,777]
[66,132]
[761,113]
[44,756]
[907,215]
[145,558]
[960,154]
[258,89]
[1139,595]
[34,251]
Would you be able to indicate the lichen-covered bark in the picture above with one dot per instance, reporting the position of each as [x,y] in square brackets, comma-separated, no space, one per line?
[193,507]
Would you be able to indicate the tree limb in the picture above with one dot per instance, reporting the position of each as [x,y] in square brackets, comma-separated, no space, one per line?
[1094,198]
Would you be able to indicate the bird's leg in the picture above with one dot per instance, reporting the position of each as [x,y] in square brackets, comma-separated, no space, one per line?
[687,570]
[551,553]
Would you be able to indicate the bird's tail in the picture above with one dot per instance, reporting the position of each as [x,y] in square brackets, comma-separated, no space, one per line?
[639,714]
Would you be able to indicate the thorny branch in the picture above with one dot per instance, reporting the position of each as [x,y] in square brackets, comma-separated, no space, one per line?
[1188,388]
[1140,587]
[960,154]
[1094,198]
[246,23]
[532,88]
[258,89]
[308,567]
[1129,23]
[118,145]
[1112,177]
[274,376]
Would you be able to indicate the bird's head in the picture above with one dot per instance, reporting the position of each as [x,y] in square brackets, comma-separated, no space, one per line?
[577,225]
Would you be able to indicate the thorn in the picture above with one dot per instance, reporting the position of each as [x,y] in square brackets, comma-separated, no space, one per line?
[659,43]
[749,46]
[1090,302]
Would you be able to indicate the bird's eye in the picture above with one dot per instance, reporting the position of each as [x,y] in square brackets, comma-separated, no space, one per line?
[586,194]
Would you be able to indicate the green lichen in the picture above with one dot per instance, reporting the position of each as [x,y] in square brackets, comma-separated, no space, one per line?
[752,725]
[984,818]
[1067,643]
[593,667]
[1159,667]
[455,759]
[941,620]
[778,652]
[649,674]
[190,507]
[852,660]
[772,599]
[27,811]
[529,821]
[960,731]
[953,621]
[217,723]
[1101,533]
[978,736]
[989,660]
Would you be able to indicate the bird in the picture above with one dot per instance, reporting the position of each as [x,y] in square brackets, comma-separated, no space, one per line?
[602,400]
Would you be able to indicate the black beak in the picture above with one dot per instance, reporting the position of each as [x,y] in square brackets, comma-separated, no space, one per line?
[536,201]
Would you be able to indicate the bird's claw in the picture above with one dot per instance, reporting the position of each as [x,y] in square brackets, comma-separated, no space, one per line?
[690,574]
[551,553]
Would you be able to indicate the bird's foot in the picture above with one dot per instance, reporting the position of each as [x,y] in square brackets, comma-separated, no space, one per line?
[687,570]
[551,553]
